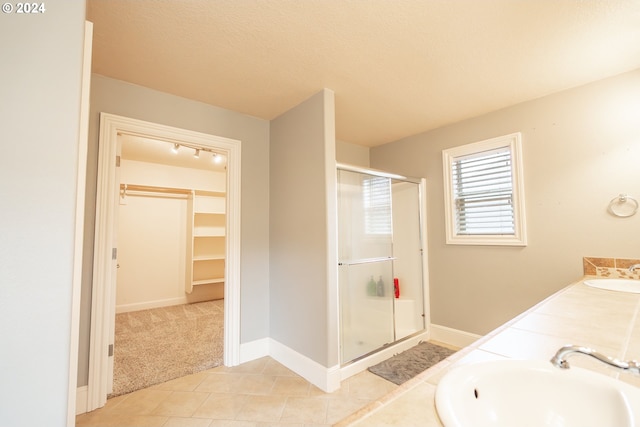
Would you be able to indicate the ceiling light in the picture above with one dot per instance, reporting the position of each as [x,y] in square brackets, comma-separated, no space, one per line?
[175,148]
[217,158]
[197,153]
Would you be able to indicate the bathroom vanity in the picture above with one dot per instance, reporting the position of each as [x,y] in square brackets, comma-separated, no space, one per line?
[607,321]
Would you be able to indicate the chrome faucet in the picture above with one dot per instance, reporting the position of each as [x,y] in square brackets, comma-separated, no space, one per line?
[634,267]
[560,359]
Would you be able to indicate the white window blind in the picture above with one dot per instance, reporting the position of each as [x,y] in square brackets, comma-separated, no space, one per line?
[377,205]
[483,193]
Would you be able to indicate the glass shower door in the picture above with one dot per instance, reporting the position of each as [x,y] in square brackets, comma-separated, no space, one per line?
[407,266]
[365,254]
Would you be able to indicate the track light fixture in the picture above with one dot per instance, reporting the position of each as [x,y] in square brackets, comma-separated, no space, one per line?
[215,157]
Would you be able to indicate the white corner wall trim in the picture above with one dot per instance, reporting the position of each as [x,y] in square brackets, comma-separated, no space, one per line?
[81,400]
[81,183]
[452,336]
[326,379]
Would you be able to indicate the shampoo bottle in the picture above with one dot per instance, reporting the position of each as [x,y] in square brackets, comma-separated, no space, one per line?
[372,290]
[380,287]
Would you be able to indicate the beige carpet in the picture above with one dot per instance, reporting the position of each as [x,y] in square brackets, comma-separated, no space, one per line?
[157,345]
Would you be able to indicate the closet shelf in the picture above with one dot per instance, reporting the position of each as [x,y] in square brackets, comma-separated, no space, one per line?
[209,233]
[208,281]
[210,193]
[205,239]
[206,213]
[125,188]
[168,190]
[208,257]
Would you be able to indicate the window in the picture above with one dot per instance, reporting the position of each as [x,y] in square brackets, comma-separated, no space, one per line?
[484,193]
[377,205]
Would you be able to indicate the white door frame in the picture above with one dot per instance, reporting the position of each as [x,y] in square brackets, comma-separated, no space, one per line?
[81,181]
[104,264]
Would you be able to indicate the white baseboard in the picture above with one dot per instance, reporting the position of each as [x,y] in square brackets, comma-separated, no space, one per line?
[125,308]
[326,379]
[254,350]
[81,399]
[452,336]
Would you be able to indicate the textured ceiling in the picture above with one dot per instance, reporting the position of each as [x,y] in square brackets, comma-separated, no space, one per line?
[397,67]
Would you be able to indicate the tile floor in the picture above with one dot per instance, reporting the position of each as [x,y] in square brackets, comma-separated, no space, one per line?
[260,393]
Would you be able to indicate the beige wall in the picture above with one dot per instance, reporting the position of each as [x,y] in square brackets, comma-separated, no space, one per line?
[152,239]
[124,99]
[39,122]
[581,149]
[352,154]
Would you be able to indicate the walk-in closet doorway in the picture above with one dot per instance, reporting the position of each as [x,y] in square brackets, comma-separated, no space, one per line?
[171,230]
[135,165]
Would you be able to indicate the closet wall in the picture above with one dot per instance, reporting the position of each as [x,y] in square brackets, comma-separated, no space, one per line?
[153,236]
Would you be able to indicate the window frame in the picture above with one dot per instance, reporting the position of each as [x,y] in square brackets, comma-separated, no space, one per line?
[512,142]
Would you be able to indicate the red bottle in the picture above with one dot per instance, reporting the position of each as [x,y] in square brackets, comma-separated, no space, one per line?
[396,287]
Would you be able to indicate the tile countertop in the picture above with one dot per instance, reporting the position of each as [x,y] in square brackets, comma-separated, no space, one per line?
[606,321]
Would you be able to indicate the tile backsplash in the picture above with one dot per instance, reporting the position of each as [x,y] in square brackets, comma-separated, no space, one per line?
[610,267]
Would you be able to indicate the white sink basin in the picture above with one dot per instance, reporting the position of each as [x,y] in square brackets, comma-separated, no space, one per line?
[527,393]
[621,285]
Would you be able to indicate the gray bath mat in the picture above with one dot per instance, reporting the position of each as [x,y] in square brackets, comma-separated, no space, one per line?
[406,365]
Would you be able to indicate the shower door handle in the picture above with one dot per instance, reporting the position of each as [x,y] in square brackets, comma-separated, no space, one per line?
[366,261]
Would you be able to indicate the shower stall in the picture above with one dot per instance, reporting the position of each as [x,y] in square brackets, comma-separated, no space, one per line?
[380,260]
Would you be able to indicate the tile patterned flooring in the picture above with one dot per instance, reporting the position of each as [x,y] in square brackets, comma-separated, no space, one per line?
[260,393]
